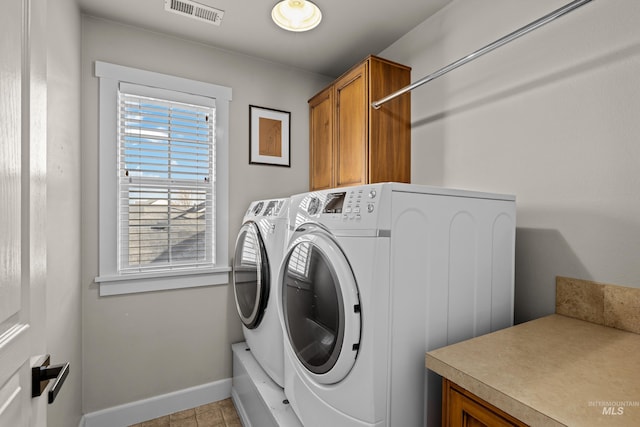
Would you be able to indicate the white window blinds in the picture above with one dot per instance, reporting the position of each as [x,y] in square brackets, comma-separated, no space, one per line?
[166,149]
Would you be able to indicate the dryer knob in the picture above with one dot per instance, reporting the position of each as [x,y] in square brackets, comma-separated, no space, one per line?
[257,208]
[372,194]
[314,206]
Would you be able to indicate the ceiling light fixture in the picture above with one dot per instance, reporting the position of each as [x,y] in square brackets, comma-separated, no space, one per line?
[296,15]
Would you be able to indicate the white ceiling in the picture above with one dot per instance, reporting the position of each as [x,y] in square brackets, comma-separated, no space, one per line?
[345,36]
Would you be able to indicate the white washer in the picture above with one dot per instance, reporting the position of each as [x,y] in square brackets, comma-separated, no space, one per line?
[258,254]
[372,278]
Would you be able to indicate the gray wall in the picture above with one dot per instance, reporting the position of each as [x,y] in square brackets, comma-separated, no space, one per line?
[551,118]
[143,345]
[64,323]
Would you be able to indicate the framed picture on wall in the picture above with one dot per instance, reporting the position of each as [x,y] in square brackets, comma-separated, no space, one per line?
[269,136]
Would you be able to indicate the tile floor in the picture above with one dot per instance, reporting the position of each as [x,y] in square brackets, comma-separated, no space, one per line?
[216,414]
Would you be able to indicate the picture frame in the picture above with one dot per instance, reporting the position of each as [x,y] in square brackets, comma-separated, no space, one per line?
[269,136]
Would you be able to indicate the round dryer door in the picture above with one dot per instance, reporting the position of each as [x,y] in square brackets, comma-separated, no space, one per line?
[250,275]
[320,306]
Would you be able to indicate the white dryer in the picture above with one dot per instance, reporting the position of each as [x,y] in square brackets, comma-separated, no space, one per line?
[258,254]
[372,278]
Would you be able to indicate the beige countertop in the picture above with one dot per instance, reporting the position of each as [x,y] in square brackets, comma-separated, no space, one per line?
[553,371]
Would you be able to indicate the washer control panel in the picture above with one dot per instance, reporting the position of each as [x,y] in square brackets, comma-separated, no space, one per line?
[343,205]
[357,204]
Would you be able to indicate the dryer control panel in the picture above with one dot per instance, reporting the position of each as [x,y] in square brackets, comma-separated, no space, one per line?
[266,208]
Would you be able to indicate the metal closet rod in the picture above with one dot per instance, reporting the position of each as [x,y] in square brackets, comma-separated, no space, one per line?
[488,48]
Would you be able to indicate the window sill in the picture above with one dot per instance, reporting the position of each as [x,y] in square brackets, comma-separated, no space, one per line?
[161,281]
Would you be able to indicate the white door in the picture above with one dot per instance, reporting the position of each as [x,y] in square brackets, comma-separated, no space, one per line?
[22,213]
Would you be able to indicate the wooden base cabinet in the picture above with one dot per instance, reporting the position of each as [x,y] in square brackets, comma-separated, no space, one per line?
[462,408]
[351,143]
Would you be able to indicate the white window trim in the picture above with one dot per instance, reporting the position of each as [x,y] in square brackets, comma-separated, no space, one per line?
[109,281]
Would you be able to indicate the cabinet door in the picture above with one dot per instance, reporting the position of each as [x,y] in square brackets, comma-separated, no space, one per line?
[389,126]
[464,409]
[351,123]
[465,412]
[321,147]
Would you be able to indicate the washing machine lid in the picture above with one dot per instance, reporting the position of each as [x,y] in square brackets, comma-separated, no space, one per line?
[320,306]
[251,276]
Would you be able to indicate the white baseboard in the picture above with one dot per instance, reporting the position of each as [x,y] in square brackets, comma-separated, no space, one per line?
[159,406]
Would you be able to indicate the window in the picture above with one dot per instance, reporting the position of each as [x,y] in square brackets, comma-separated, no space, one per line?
[165,167]
[163,213]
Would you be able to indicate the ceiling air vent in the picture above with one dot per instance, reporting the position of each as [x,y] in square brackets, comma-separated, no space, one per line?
[194,10]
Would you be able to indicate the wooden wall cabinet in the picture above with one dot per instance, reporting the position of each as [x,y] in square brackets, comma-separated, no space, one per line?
[351,143]
[461,408]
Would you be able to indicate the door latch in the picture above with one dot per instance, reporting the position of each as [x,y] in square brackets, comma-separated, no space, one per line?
[42,372]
